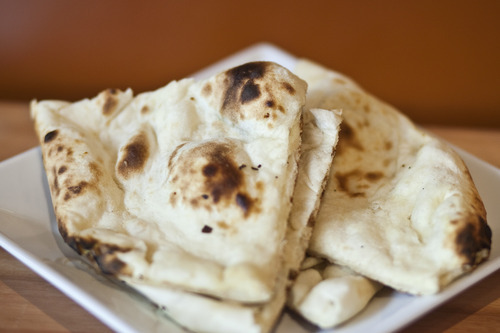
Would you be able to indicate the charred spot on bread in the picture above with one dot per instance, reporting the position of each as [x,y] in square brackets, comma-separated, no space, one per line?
[288,87]
[55,184]
[249,92]
[348,183]
[293,274]
[206,229]
[248,71]
[223,176]
[75,190]
[244,201]
[241,86]
[473,238]
[71,241]
[110,265]
[105,256]
[210,170]
[102,254]
[135,155]
[86,244]
[256,90]
[110,101]
[347,138]
[355,182]
[374,176]
[238,77]
[50,136]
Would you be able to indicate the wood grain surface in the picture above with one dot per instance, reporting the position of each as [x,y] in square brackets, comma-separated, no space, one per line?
[30,304]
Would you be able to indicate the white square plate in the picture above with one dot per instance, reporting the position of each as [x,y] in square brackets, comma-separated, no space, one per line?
[28,231]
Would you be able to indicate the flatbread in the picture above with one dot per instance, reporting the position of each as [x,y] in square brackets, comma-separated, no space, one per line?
[188,186]
[203,314]
[327,294]
[400,206]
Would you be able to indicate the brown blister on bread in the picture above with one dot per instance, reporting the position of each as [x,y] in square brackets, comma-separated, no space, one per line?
[473,241]
[61,170]
[288,87]
[241,84]
[373,176]
[355,182]
[110,264]
[110,101]
[473,235]
[103,255]
[71,241]
[348,139]
[54,182]
[79,187]
[134,155]
[208,176]
[247,87]
[75,190]
[244,202]
[50,136]
[207,89]
[59,158]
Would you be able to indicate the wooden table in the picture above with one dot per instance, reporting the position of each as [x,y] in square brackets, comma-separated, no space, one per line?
[30,304]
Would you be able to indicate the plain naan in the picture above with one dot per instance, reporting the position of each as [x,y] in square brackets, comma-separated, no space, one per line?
[400,206]
[188,186]
[206,314]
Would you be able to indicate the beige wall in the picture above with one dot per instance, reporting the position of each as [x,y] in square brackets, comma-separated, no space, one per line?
[438,61]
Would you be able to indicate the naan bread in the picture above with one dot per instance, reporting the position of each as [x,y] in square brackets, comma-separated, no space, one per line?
[327,294]
[188,186]
[203,314]
[400,206]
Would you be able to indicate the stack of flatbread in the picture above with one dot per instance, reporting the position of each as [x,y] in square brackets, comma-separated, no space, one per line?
[400,208]
[205,195]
